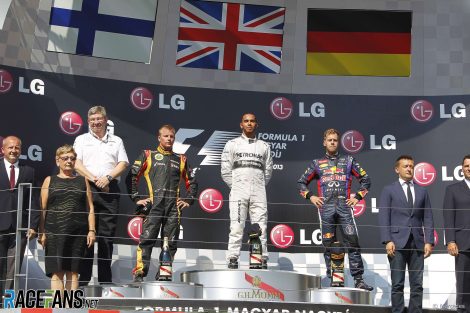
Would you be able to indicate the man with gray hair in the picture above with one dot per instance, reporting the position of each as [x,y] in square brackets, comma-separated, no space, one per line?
[101,158]
[13,173]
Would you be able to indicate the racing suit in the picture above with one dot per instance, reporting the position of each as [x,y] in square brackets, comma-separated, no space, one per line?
[334,175]
[163,172]
[246,169]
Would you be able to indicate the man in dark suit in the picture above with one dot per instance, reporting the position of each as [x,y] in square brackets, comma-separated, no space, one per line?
[13,173]
[457,231]
[405,211]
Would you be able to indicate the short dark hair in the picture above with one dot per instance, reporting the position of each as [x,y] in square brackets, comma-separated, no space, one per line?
[465,158]
[249,113]
[403,157]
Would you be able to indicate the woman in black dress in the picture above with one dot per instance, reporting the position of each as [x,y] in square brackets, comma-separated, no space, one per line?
[66,226]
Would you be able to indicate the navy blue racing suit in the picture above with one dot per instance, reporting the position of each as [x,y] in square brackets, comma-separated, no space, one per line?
[334,175]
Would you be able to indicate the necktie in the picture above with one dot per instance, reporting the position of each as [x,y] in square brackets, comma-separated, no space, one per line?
[12,176]
[409,195]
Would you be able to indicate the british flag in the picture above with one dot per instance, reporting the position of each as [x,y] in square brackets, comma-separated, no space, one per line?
[230,36]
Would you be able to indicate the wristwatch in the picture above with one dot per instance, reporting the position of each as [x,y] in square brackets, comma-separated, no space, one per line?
[109,177]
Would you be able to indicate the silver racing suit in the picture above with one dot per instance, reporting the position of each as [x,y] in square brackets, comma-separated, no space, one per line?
[246,168]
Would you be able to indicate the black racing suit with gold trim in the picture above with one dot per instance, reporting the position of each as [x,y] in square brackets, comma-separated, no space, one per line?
[163,172]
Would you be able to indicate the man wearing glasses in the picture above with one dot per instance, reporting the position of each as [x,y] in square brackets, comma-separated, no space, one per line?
[101,158]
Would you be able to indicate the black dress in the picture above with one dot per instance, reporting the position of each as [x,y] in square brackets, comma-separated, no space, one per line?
[66,224]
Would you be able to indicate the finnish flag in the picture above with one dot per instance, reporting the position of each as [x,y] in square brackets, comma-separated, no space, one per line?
[115,29]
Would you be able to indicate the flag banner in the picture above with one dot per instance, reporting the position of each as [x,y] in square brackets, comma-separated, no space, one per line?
[4,6]
[114,29]
[230,36]
[359,42]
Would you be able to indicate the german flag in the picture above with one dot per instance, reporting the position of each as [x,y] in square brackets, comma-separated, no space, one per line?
[359,42]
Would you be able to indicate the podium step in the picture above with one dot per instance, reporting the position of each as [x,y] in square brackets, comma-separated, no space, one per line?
[254,285]
[341,295]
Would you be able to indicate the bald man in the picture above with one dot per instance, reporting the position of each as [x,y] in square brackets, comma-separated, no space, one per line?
[13,173]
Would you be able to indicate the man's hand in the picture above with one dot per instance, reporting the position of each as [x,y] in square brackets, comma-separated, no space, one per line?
[181,204]
[427,250]
[390,247]
[102,182]
[317,201]
[452,249]
[143,201]
[31,233]
[352,201]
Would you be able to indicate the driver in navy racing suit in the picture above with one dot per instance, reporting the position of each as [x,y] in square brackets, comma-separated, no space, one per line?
[334,173]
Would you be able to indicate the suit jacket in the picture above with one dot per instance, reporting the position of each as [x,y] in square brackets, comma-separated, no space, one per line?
[456,210]
[9,198]
[397,221]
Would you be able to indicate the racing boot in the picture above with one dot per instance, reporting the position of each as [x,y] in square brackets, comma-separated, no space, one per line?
[264,264]
[138,277]
[233,263]
[361,284]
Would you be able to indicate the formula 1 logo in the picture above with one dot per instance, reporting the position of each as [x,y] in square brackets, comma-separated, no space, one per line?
[281,108]
[6,81]
[141,98]
[422,111]
[70,123]
[352,141]
[359,208]
[282,236]
[425,174]
[134,228]
[211,200]
[212,149]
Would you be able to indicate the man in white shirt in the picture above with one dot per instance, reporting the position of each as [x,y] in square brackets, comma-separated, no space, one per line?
[13,173]
[101,158]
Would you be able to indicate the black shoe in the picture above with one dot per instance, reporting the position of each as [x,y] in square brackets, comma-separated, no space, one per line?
[138,278]
[264,263]
[233,263]
[361,284]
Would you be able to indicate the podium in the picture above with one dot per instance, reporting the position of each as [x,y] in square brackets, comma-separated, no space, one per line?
[224,288]
[254,285]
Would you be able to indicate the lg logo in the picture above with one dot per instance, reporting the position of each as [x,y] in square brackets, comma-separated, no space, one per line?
[359,208]
[424,174]
[282,236]
[211,200]
[6,81]
[142,99]
[70,123]
[423,111]
[353,141]
[281,108]
[36,86]
[134,228]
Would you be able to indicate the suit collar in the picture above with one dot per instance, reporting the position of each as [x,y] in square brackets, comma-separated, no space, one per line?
[399,190]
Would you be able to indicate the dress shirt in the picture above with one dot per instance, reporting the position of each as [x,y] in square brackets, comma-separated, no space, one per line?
[405,187]
[17,169]
[468,182]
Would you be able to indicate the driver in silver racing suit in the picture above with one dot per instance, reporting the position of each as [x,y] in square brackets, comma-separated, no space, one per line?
[246,169]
